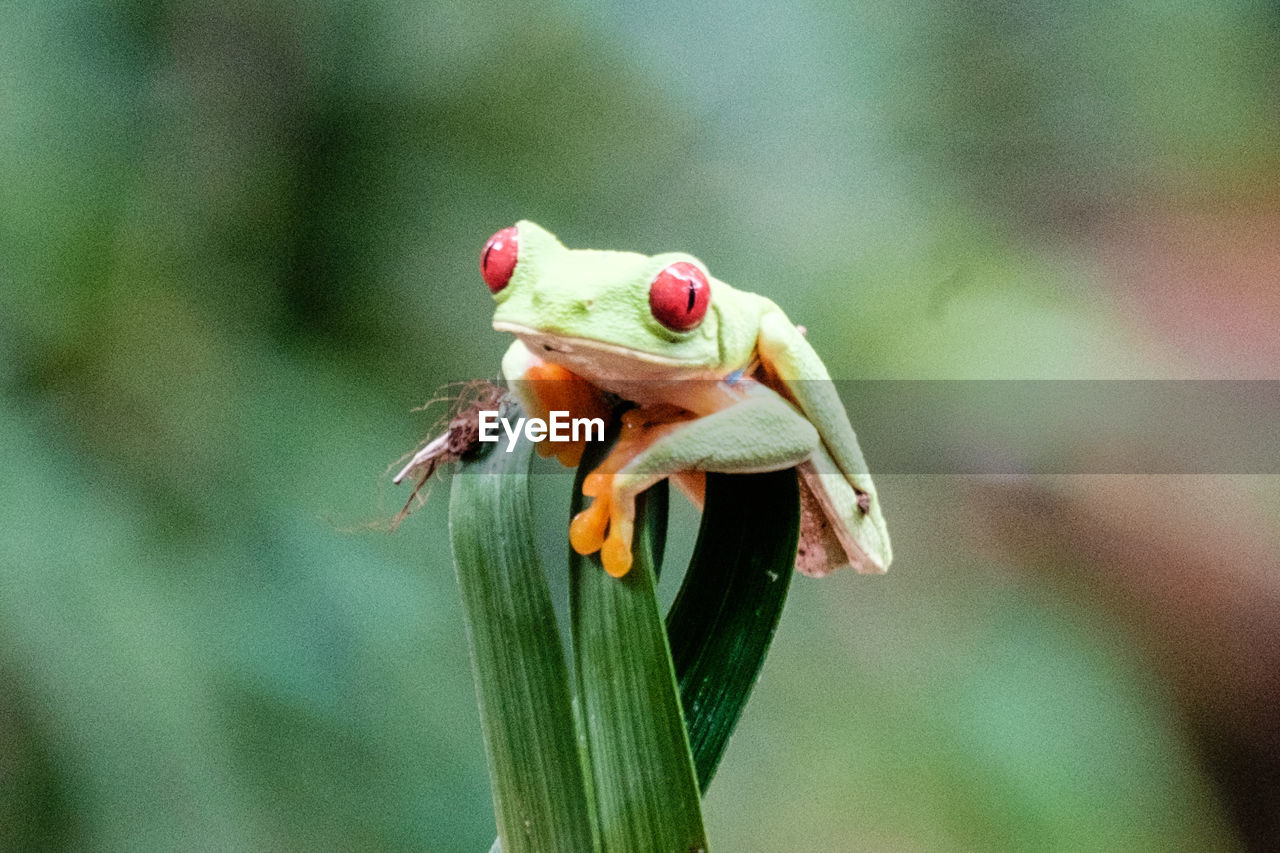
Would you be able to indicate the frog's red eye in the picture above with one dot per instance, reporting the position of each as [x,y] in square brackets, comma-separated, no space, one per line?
[679,296]
[498,259]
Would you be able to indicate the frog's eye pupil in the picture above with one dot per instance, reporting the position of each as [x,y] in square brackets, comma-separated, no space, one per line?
[679,296]
[498,259]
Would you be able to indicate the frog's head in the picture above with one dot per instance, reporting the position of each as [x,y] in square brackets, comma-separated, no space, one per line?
[604,314]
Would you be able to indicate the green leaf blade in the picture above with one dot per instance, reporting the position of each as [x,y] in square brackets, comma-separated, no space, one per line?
[723,619]
[645,787]
[522,681]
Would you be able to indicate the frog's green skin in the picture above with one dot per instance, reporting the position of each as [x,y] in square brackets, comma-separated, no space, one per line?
[588,311]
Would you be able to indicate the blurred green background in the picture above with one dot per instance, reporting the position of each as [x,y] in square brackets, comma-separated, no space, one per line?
[238,245]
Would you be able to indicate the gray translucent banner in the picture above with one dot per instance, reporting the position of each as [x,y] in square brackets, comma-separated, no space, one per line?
[1067,427]
[1050,426]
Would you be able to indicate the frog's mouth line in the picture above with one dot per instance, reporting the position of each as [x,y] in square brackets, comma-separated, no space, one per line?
[539,341]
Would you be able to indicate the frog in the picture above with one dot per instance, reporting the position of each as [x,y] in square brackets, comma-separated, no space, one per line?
[710,379]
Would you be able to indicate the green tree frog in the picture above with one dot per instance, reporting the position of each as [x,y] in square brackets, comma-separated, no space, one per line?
[721,380]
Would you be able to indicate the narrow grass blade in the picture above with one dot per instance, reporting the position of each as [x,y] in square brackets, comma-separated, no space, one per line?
[522,680]
[724,617]
[646,793]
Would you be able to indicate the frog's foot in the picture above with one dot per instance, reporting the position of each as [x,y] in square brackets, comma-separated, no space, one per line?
[558,390]
[611,513]
[608,524]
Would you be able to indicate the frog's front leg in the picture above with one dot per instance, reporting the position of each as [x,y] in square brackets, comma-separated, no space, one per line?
[543,387]
[761,432]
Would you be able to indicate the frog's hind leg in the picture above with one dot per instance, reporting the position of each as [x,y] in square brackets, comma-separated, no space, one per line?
[792,368]
[819,552]
[834,520]
[761,433]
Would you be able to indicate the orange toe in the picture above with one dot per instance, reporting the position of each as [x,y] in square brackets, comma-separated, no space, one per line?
[586,531]
[616,556]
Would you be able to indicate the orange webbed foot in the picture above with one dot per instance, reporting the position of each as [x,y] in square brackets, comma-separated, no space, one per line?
[608,524]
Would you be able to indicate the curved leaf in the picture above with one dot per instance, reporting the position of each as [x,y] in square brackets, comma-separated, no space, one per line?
[724,617]
[522,680]
[645,788]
